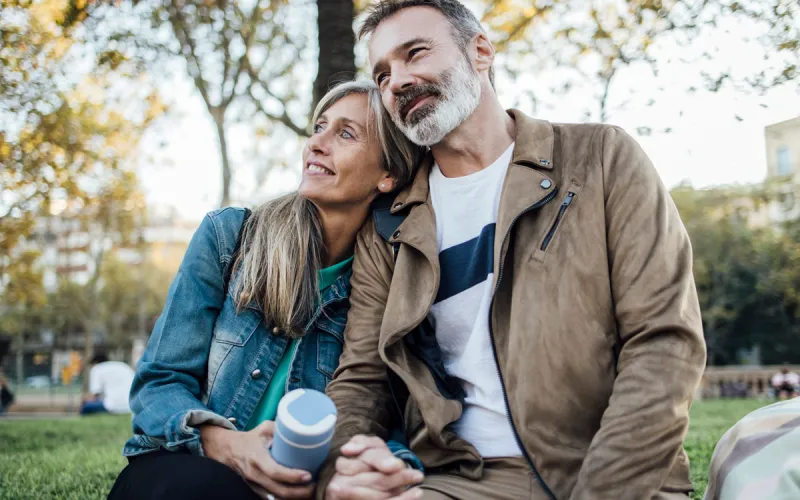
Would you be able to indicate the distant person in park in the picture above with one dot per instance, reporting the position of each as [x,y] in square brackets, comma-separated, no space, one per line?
[109,386]
[6,396]
[257,309]
[785,383]
[526,306]
[759,457]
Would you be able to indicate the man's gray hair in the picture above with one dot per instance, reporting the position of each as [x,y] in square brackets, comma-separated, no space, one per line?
[465,25]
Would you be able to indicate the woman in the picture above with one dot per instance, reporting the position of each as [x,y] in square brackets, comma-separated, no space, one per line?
[257,309]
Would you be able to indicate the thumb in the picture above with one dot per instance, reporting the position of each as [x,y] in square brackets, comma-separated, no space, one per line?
[265,429]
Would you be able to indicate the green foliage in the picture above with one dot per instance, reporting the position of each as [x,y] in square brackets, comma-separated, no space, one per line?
[746,273]
[64,138]
[130,299]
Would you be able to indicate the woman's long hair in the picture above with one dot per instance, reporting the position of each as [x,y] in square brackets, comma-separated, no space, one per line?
[282,244]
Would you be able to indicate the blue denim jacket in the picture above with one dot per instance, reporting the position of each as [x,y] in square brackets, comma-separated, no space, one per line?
[206,364]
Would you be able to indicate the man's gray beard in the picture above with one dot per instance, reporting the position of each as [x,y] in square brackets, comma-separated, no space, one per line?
[460,95]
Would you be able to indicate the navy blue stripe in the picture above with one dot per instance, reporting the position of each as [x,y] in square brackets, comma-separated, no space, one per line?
[466,264]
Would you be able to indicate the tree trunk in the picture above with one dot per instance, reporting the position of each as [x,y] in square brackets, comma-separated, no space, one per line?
[218,114]
[336,45]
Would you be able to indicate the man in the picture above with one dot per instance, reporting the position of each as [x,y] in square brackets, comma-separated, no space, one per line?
[535,307]
[109,386]
[785,384]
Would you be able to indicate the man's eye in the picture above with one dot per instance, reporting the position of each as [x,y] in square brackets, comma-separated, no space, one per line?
[381,78]
[413,52]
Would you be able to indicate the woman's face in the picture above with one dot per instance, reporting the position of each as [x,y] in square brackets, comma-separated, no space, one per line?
[342,160]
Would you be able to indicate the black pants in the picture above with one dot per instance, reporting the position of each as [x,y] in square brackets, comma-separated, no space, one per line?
[164,475]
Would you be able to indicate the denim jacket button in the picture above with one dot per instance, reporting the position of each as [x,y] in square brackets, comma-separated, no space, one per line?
[276,330]
[256,373]
[232,420]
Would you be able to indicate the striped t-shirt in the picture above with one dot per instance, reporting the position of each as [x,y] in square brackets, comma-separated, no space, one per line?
[466,213]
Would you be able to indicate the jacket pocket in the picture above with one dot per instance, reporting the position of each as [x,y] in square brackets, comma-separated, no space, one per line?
[235,328]
[556,225]
[329,348]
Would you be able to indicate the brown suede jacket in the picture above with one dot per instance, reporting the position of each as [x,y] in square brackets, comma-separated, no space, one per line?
[595,322]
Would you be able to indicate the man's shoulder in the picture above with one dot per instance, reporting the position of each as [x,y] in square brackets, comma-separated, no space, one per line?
[592,131]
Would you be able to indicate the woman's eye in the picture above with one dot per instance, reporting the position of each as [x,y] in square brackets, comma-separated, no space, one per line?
[317,128]
[347,135]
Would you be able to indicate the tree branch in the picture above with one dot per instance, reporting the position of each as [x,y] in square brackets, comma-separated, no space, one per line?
[185,39]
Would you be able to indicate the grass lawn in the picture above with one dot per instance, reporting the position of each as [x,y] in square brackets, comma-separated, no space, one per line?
[80,458]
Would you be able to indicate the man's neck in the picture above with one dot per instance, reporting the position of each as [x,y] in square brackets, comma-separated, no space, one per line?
[478,142]
[339,229]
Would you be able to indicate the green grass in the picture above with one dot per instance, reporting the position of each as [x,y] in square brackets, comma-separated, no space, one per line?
[80,458]
[75,459]
[709,421]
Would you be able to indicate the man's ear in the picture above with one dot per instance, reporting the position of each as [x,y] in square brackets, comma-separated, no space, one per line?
[484,53]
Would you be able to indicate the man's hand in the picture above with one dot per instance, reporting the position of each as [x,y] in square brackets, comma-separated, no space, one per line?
[367,470]
[248,454]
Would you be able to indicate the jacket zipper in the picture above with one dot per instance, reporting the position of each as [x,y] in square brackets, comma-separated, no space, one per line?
[561,211]
[539,479]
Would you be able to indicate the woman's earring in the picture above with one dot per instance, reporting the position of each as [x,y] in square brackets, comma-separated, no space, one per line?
[383,186]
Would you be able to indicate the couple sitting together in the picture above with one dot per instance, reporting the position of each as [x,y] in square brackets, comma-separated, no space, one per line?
[499,306]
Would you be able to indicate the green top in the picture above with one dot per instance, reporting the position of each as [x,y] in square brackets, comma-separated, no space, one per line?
[267,408]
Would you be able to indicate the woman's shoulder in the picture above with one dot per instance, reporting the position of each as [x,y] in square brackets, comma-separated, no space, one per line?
[228,221]
[221,228]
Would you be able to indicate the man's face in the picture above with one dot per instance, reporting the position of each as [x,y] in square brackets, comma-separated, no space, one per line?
[428,84]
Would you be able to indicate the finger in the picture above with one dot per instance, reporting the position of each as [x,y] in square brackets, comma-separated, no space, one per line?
[412,494]
[288,491]
[351,466]
[258,490]
[359,443]
[386,483]
[281,474]
[382,460]
[353,492]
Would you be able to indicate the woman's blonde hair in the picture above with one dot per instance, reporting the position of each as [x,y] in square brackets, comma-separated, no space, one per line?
[282,244]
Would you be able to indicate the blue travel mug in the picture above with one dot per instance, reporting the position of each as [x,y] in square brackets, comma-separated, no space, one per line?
[303,430]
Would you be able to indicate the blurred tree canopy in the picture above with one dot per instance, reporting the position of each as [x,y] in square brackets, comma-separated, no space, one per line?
[588,42]
[746,274]
[255,62]
[68,136]
[62,137]
[250,62]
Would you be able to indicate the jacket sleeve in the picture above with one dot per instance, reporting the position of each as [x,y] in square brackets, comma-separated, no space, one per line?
[660,338]
[166,391]
[360,386]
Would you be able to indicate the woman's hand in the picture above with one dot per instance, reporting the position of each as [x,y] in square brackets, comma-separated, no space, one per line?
[367,470]
[248,454]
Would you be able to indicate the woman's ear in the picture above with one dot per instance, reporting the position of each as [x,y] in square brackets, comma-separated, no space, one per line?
[386,184]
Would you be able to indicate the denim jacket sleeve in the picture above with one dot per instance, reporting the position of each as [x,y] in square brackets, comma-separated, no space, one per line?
[397,445]
[167,389]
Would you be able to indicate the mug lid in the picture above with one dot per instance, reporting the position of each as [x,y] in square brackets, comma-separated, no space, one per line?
[307,412]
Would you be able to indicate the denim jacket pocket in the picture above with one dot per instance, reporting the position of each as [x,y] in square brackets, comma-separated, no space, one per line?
[235,328]
[329,348]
